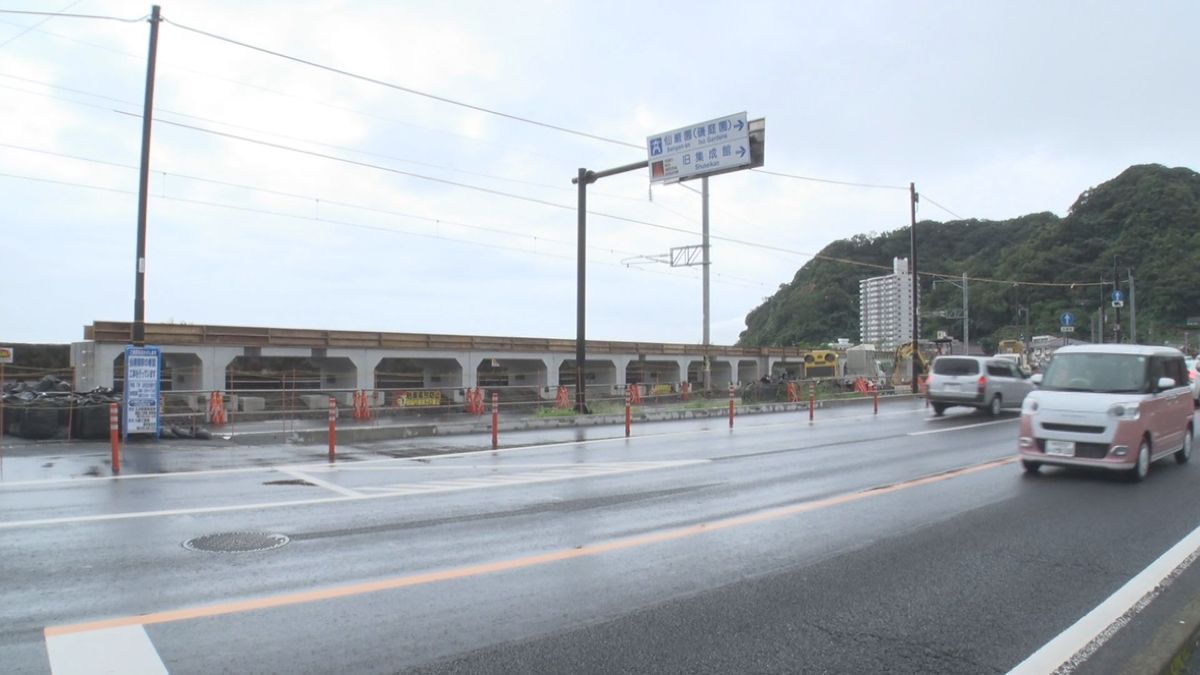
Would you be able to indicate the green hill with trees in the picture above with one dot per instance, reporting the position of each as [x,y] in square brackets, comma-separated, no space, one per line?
[1146,219]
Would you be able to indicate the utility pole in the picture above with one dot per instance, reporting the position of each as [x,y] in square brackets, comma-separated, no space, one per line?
[1132,310]
[1116,289]
[139,287]
[966,324]
[912,252]
[705,265]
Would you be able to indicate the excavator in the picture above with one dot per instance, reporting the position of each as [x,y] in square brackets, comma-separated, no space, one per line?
[902,371]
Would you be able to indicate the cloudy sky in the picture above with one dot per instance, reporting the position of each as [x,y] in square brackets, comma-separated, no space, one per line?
[282,194]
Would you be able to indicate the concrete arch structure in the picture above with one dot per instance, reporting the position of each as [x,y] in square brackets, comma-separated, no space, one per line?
[198,358]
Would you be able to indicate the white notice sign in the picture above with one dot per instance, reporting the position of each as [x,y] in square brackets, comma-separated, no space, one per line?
[141,390]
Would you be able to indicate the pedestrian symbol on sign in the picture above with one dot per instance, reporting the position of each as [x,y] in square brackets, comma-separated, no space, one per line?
[656,147]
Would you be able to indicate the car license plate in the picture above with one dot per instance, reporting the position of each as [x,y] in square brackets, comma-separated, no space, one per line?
[951,386]
[1061,448]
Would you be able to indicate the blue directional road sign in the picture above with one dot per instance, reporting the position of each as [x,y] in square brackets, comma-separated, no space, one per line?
[1066,322]
[711,147]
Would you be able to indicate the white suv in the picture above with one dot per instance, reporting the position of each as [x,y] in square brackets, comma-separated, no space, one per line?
[1109,406]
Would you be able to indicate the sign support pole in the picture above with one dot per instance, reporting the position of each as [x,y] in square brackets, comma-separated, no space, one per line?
[705,265]
[584,178]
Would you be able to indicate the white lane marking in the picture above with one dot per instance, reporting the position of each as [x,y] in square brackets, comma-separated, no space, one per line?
[334,487]
[297,502]
[550,475]
[1074,645]
[127,650]
[965,426]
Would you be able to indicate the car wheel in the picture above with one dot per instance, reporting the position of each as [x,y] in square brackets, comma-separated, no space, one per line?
[1185,453]
[994,406]
[1031,467]
[1142,466]
[939,409]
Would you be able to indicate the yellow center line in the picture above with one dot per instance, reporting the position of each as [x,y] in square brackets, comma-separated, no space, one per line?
[254,604]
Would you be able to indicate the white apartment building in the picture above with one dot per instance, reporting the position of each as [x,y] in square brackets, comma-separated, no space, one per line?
[885,311]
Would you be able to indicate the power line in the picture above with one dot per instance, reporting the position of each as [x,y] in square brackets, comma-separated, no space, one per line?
[411,174]
[397,87]
[44,20]
[74,16]
[926,197]
[731,280]
[831,181]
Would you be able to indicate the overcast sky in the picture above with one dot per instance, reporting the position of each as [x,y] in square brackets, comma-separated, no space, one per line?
[993,109]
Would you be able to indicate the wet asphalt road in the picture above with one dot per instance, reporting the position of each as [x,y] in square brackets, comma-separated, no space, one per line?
[778,547]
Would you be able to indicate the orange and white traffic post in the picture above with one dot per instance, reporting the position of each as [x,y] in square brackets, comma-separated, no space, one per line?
[812,400]
[495,420]
[875,396]
[332,428]
[114,435]
[730,405]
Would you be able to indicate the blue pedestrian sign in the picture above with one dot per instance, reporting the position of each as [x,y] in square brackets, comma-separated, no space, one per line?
[1118,299]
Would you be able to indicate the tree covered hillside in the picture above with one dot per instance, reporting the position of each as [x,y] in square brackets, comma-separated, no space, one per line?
[1147,219]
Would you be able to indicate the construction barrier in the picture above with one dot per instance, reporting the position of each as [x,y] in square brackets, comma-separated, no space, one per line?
[475,401]
[362,405]
[864,386]
[562,399]
[684,389]
[793,393]
[216,408]
[635,392]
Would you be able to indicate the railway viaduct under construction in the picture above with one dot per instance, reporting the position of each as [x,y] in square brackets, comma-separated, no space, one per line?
[201,358]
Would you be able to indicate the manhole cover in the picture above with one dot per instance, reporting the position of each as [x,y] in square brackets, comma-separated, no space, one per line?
[236,542]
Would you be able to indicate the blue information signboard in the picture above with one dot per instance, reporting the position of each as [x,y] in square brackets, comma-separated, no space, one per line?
[142,390]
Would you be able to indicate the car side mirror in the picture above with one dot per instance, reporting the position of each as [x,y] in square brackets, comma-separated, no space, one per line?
[1165,383]
[1036,379]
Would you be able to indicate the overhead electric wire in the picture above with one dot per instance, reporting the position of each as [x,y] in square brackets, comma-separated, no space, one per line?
[534,122]
[559,188]
[75,16]
[34,26]
[831,181]
[344,223]
[397,87]
[925,197]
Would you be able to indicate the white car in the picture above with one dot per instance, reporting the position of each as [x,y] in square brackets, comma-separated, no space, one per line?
[1108,406]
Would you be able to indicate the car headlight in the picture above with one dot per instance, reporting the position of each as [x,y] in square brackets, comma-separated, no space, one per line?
[1125,411]
[1030,406]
